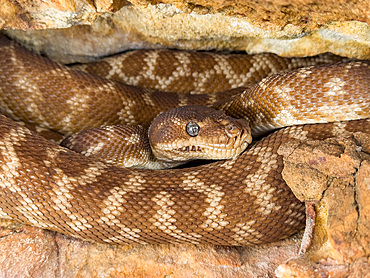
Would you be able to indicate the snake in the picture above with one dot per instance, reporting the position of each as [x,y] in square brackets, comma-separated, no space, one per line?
[239,201]
[175,137]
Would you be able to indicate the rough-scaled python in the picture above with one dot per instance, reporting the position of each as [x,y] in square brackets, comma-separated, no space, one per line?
[175,137]
[233,202]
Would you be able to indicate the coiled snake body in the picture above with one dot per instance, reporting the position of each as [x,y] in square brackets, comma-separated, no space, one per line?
[233,202]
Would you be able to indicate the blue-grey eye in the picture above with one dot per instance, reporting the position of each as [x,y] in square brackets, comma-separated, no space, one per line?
[192,129]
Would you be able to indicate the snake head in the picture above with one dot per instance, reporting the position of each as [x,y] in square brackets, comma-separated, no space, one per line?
[197,132]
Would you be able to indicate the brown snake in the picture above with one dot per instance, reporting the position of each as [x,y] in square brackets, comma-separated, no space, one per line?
[175,137]
[233,202]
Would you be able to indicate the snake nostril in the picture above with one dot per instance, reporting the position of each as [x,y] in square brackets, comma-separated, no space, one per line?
[232,129]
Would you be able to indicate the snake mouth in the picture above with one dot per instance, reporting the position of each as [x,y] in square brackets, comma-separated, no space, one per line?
[218,147]
[200,133]
[193,148]
[215,148]
[232,141]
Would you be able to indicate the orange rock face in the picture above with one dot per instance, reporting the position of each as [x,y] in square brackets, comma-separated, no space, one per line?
[335,176]
[32,252]
[105,27]
[279,12]
[271,14]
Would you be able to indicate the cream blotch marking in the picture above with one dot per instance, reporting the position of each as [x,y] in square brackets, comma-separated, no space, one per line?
[228,163]
[63,186]
[339,130]
[256,182]
[164,221]
[12,163]
[304,72]
[32,95]
[10,170]
[182,69]
[235,80]
[215,218]
[150,61]
[77,100]
[147,97]
[339,110]
[126,115]
[287,111]
[113,208]
[256,186]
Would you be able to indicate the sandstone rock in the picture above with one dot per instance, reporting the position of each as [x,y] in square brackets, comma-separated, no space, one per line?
[316,165]
[276,13]
[32,252]
[287,30]
[341,239]
[22,255]
[53,14]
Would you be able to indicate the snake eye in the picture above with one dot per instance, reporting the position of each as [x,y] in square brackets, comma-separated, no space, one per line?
[192,129]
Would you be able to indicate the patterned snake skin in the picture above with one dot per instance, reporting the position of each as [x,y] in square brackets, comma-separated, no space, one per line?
[233,202]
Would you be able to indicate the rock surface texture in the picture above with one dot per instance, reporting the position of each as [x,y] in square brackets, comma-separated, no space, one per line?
[31,252]
[287,28]
[333,174]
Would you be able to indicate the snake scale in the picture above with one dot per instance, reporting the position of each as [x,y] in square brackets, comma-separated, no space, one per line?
[239,201]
